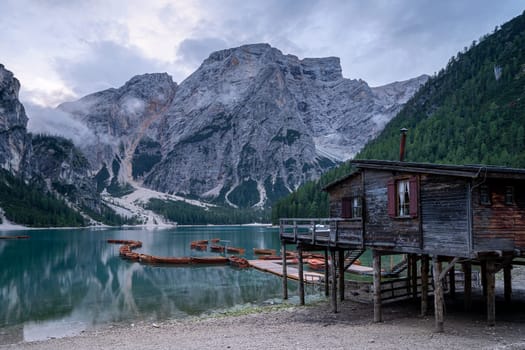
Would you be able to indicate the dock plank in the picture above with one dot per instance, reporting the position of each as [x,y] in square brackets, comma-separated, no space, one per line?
[276,268]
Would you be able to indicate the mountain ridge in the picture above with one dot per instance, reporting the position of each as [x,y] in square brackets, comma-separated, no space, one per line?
[262,122]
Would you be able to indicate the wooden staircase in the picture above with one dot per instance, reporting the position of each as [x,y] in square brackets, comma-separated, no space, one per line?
[399,267]
[351,257]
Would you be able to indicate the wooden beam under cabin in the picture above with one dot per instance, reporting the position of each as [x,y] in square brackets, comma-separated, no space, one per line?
[333,271]
[438,294]
[376,265]
[326,273]
[301,274]
[285,270]
[341,274]
[491,292]
[413,282]
[507,282]
[467,284]
[424,285]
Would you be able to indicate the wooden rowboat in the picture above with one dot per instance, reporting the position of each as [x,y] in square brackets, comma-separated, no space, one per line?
[263,251]
[172,260]
[200,247]
[239,262]
[209,260]
[145,258]
[235,250]
[132,256]
[269,257]
[217,248]
[14,237]
[316,264]
[198,243]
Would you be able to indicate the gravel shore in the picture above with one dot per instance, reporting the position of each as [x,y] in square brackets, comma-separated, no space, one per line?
[316,327]
[309,327]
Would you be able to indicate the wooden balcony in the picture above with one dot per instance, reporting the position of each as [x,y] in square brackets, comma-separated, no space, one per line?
[323,232]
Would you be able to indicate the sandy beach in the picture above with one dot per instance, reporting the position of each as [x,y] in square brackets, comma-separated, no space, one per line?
[309,327]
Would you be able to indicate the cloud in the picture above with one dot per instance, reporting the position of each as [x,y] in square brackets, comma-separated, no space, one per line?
[66,49]
[194,51]
[105,65]
[52,121]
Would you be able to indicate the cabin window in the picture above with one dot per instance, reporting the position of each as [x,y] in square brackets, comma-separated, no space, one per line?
[356,207]
[484,195]
[403,197]
[346,207]
[509,195]
[351,207]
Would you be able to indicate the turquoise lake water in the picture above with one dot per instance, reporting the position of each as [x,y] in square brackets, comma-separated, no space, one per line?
[60,282]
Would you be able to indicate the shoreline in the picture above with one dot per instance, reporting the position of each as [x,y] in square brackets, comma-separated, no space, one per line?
[306,327]
[15,227]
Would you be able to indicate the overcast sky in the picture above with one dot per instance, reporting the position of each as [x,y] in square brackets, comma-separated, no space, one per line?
[63,49]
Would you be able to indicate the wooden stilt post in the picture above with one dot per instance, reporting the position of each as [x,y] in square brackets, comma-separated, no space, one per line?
[376,264]
[326,274]
[301,275]
[409,272]
[507,282]
[438,294]
[341,274]
[452,282]
[285,271]
[414,276]
[333,271]
[424,285]
[484,277]
[491,293]
[467,280]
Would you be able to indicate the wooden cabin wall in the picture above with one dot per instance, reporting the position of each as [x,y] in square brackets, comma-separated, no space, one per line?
[349,231]
[444,215]
[499,226]
[380,229]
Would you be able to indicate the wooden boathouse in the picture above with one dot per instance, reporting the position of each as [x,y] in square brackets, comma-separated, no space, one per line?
[445,214]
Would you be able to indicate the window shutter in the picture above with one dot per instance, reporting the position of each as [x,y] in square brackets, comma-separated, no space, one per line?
[391,188]
[346,208]
[414,196]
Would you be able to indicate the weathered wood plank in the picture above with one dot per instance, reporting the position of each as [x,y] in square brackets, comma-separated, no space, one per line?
[438,294]
[376,265]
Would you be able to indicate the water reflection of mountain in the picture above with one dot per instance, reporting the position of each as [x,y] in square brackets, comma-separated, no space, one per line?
[60,273]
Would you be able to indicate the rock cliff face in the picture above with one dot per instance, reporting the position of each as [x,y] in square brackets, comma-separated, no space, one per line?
[15,144]
[250,125]
[122,119]
[64,169]
[52,162]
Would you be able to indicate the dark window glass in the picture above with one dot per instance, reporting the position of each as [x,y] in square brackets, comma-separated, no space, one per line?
[509,195]
[484,195]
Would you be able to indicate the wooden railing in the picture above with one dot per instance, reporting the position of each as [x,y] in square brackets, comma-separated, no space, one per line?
[321,231]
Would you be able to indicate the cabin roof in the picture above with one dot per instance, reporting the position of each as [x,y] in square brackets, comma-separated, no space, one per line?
[466,171]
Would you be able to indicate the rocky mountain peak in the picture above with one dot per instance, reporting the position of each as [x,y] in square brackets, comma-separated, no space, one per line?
[248,126]
[12,113]
[120,119]
[15,146]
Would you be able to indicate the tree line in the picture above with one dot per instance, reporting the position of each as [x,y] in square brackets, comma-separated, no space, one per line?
[470,112]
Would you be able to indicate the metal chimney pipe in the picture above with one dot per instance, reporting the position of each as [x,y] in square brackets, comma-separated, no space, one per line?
[402,144]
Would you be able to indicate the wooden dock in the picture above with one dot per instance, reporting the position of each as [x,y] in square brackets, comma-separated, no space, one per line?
[275,267]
